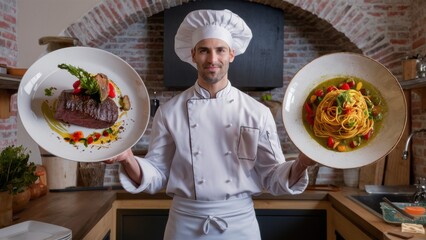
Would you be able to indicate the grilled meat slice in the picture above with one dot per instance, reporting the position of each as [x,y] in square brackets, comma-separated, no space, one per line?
[83,110]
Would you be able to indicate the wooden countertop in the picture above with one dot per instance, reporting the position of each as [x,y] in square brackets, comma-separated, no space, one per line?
[78,211]
[362,217]
[81,210]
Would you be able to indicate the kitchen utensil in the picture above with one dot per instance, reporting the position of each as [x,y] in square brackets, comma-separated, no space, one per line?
[345,64]
[45,74]
[323,187]
[404,213]
[401,234]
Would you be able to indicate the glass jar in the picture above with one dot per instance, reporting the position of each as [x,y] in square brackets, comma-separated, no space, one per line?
[421,67]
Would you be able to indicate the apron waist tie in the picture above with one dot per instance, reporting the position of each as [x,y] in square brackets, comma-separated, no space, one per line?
[220,223]
[211,217]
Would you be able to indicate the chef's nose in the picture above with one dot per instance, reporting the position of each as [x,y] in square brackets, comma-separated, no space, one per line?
[212,57]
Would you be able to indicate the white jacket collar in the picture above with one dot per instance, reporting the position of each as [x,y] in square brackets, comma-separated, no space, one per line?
[205,94]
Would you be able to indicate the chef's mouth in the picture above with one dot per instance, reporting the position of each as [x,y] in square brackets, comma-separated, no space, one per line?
[212,67]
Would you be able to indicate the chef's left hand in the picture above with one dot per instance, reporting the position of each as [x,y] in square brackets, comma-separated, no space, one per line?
[298,168]
[305,160]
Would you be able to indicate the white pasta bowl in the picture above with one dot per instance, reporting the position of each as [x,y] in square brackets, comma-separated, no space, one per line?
[345,64]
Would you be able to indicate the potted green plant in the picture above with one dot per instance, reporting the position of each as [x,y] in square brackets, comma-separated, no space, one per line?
[16,175]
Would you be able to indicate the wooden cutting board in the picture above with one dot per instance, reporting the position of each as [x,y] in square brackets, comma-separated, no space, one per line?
[397,170]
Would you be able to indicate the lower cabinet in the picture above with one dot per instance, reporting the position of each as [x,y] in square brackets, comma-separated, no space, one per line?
[141,224]
[274,224]
[346,230]
[292,224]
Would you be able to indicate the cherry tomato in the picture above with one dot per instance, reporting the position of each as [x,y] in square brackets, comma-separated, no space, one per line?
[89,140]
[111,92]
[76,84]
[310,119]
[351,83]
[365,92]
[308,109]
[76,90]
[330,142]
[345,86]
[77,136]
[354,144]
[368,135]
[331,88]
[97,136]
[319,92]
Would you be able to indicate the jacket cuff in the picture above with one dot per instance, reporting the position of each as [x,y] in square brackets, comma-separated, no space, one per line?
[299,186]
[131,186]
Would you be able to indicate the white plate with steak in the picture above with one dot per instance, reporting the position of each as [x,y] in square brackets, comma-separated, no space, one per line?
[83,104]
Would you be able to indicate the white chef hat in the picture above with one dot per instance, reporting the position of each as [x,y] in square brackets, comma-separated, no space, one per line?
[202,24]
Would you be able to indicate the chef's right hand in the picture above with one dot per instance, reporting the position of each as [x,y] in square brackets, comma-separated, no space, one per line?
[129,164]
[124,157]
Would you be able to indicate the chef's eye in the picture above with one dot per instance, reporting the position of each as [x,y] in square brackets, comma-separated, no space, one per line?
[203,50]
[222,50]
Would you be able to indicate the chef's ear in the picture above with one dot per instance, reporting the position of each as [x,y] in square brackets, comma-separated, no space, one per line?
[231,55]
[193,54]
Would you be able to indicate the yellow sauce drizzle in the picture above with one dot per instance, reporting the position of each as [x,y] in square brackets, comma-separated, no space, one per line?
[51,121]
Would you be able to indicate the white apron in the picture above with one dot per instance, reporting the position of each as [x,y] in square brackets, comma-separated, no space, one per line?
[209,220]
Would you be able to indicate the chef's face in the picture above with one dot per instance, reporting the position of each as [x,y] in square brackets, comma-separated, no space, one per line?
[212,57]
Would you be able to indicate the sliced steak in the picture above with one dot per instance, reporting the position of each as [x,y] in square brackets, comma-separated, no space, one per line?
[82,110]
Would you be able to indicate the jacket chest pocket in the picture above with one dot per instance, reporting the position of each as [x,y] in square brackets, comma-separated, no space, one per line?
[247,143]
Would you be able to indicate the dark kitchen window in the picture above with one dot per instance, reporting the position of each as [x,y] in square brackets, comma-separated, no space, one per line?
[259,68]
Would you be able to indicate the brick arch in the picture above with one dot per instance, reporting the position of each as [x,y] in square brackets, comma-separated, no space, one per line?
[350,25]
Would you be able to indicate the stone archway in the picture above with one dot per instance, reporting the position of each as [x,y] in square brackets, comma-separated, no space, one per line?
[378,30]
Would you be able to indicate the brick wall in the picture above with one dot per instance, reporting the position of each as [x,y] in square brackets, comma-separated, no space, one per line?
[8,46]
[8,56]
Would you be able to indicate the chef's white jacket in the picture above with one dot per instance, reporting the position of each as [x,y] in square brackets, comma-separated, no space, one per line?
[219,148]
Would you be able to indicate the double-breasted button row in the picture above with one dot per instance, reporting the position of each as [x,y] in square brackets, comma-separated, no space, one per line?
[202,180]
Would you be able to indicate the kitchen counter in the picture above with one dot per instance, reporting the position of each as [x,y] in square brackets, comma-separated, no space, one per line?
[78,211]
[375,226]
[81,210]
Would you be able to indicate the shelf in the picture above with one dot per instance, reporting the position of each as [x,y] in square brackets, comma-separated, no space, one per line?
[8,81]
[418,86]
[413,83]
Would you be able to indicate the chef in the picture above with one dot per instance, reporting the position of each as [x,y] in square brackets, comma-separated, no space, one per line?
[213,147]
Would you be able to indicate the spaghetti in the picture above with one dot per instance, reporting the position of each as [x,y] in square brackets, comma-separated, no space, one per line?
[342,114]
